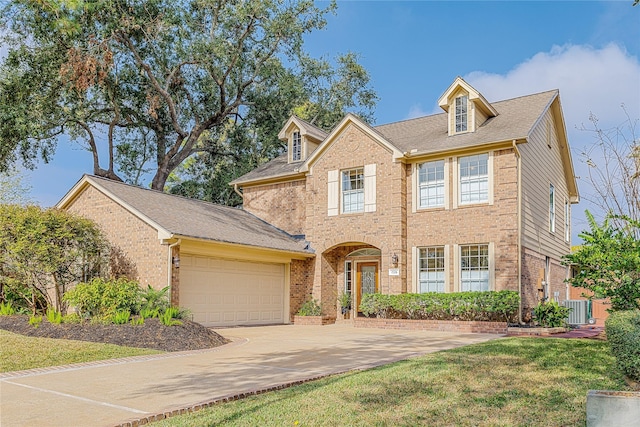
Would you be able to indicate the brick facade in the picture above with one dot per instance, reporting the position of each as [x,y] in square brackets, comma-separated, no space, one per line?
[533,275]
[135,242]
[281,205]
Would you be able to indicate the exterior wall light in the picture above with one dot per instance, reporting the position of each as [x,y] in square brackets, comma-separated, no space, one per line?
[176,261]
[394,260]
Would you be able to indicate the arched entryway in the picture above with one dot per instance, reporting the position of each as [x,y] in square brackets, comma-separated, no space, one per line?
[350,269]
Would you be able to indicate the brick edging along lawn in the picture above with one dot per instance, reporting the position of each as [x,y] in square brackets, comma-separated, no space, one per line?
[432,325]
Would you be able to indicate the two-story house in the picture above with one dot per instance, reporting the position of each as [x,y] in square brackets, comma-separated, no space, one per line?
[475,198]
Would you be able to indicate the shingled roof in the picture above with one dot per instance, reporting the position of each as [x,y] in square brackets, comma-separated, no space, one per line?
[515,120]
[182,217]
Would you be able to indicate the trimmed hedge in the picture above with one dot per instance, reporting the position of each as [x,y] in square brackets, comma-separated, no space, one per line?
[623,334]
[500,306]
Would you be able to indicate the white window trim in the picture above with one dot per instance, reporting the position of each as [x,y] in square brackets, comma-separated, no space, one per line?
[416,186]
[415,255]
[552,208]
[293,150]
[456,179]
[567,221]
[350,291]
[342,190]
[457,287]
[454,123]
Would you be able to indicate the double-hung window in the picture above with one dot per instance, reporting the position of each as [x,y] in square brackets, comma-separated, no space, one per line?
[552,208]
[474,268]
[431,184]
[431,269]
[474,179]
[461,113]
[567,222]
[353,190]
[296,147]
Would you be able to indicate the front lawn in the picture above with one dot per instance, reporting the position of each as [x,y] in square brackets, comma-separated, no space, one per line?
[506,382]
[18,352]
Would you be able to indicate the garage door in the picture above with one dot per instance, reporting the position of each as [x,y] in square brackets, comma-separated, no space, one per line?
[222,292]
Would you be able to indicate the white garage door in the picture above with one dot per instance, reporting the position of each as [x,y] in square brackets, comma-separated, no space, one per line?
[222,292]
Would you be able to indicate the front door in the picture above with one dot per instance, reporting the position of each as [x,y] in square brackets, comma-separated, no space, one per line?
[366,279]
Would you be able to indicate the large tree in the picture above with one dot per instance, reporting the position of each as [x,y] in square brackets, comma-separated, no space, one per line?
[149,84]
[613,170]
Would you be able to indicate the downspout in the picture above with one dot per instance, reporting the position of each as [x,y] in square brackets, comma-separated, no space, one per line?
[519,219]
[170,268]
[235,188]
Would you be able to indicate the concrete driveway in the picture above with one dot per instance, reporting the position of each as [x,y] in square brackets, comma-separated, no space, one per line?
[260,358]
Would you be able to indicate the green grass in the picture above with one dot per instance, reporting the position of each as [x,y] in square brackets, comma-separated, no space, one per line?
[18,352]
[506,382]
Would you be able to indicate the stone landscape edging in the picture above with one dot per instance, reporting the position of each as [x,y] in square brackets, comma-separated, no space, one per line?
[432,325]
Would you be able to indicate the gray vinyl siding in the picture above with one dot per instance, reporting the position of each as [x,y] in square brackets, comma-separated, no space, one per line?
[542,166]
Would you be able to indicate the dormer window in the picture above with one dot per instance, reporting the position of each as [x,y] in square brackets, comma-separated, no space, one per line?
[296,147]
[461,113]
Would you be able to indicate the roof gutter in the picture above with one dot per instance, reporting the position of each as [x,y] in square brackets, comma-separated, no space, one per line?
[519,227]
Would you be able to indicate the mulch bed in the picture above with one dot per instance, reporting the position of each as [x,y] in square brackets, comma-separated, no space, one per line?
[152,334]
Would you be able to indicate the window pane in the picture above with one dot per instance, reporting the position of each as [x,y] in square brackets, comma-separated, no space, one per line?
[297,147]
[353,190]
[431,184]
[474,268]
[461,113]
[431,275]
[474,179]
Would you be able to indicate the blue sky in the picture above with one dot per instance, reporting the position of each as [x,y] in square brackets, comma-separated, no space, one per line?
[413,50]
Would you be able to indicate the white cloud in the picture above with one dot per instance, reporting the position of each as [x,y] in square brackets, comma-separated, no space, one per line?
[590,81]
[416,111]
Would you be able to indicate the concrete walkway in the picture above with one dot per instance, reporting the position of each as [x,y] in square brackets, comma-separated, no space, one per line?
[112,392]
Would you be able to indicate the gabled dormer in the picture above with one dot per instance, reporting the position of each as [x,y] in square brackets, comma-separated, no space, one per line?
[467,109]
[302,139]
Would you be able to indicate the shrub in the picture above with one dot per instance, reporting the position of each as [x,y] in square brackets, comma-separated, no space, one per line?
[149,313]
[550,314]
[311,307]
[54,316]
[483,306]
[35,321]
[121,317]
[6,309]
[103,298]
[170,316]
[72,318]
[153,299]
[345,302]
[623,335]
[137,321]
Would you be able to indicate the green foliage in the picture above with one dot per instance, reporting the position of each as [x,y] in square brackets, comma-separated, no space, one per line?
[14,188]
[149,313]
[608,262]
[137,320]
[550,314]
[104,298]
[623,335]
[121,317]
[45,251]
[72,318]
[35,321]
[345,300]
[488,306]
[170,316]
[6,309]
[310,307]
[154,300]
[157,82]
[54,316]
